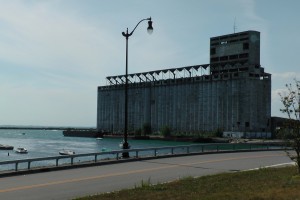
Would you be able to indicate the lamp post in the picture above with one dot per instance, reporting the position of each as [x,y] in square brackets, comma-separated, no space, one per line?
[127,35]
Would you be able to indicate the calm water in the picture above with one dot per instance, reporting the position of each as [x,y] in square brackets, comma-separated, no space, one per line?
[45,143]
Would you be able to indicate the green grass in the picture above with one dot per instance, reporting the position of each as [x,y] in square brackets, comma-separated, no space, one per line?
[271,183]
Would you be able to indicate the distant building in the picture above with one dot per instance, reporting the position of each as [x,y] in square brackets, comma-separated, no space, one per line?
[231,94]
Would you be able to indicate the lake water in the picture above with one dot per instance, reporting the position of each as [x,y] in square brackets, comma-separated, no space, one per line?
[45,143]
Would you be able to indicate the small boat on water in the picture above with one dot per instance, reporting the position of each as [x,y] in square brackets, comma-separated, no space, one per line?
[66,152]
[6,147]
[21,150]
[103,149]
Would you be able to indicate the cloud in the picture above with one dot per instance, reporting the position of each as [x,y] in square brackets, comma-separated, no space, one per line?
[249,9]
[276,103]
[287,76]
[25,105]
[49,64]
[57,51]
[36,36]
[276,92]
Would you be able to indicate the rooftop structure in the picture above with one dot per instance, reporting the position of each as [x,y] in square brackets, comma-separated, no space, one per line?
[229,52]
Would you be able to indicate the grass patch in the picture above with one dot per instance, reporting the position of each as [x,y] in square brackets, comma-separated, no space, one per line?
[271,183]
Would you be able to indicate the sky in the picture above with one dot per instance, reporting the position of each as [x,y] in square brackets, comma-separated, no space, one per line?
[55,53]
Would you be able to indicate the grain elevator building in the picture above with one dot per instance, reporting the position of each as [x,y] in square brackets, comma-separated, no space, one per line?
[231,94]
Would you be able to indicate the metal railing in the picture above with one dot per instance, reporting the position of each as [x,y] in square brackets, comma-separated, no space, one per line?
[69,160]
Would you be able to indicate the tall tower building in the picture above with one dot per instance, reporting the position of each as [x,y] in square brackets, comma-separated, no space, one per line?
[239,48]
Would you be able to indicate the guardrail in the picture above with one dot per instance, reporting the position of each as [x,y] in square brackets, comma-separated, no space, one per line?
[69,160]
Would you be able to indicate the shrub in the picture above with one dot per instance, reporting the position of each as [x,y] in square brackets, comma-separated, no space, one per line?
[166,131]
[138,132]
[147,129]
[219,132]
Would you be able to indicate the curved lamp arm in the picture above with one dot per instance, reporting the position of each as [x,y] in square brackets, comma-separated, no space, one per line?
[127,35]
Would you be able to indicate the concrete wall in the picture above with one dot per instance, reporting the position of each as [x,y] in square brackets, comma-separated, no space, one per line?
[236,102]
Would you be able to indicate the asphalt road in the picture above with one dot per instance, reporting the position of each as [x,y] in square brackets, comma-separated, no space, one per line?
[72,183]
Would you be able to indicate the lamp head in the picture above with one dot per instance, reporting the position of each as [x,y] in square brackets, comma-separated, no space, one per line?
[150,28]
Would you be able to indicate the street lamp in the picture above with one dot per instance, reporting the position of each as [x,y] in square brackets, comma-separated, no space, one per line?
[127,35]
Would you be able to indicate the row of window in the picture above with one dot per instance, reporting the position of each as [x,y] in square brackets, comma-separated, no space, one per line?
[245,47]
[231,57]
[220,75]
[228,41]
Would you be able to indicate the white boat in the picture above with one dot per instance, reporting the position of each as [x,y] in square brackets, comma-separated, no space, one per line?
[66,152]
[21,150]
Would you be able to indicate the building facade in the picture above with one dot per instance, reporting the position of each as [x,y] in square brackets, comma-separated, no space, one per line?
[231,94]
